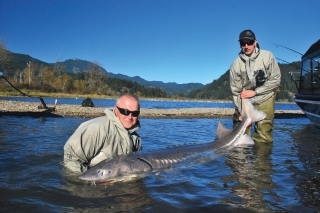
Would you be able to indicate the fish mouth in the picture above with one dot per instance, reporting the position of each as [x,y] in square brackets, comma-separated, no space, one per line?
[127,178]
[86,178]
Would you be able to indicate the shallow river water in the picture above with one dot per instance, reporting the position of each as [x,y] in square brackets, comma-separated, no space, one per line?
[279,177]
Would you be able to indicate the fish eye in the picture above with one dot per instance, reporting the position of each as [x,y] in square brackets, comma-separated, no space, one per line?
[109,172]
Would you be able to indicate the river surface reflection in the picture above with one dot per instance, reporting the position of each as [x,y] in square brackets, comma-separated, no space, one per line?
[278,177]
[148,103]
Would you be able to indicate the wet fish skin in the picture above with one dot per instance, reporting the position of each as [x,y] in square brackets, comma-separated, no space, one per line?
[143,163]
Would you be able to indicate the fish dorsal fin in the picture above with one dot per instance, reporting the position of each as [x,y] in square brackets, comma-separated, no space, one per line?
[222,131]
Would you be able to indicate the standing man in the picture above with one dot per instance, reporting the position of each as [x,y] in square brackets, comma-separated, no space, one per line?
[255,74]
[105,137]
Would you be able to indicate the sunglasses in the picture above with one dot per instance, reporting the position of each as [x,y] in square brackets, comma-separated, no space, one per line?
[127,112]
[244,43]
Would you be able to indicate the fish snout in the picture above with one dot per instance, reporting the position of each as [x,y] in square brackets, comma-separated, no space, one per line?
[98,174]
[93,175]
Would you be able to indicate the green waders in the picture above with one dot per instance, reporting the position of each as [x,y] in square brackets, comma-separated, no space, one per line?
[262,129]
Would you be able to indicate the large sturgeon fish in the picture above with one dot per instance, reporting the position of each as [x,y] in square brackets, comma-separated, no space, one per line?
[144,163]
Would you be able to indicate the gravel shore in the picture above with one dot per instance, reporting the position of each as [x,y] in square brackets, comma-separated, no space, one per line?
[17,108]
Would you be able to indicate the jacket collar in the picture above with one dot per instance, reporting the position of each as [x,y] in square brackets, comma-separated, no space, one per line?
[253,56]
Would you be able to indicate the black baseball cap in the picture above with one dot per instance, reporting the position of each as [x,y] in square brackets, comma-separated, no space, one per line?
[247,34]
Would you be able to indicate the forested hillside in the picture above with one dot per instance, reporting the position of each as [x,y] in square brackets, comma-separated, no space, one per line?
[75,76]
[220,89]
[25,72]
[19,64]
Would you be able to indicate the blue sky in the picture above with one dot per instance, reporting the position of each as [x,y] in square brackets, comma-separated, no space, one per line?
[178,41]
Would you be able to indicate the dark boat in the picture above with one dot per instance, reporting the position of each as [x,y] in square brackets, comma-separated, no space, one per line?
[308,84]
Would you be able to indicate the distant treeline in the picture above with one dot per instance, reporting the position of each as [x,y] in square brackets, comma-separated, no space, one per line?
[93,81]
[220,89]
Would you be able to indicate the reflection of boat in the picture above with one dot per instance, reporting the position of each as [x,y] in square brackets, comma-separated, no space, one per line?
[308,83]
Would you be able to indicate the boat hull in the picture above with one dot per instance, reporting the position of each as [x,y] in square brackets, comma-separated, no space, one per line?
[310,105]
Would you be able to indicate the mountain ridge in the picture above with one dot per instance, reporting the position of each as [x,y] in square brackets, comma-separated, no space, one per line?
[19,61]
[217,89]
[79,65]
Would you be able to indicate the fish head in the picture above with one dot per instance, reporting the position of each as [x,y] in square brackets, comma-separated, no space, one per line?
[112,169]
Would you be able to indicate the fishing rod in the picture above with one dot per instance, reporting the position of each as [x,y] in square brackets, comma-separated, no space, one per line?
[291,73]
[293,65]
[44,106]
[298,53]
[288,48]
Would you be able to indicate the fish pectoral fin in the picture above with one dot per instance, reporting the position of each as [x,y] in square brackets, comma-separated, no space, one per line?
[146,161]
[244,140]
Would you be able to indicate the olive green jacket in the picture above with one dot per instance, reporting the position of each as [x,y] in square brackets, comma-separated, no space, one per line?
[243,76]
[104,136]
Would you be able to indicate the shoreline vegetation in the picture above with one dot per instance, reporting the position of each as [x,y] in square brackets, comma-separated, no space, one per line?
[19,108]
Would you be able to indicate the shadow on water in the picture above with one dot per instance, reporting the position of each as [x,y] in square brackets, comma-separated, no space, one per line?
[251,179]
[257,174]
[106,197]
[307,141]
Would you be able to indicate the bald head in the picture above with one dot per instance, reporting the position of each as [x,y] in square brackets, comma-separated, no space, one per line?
[130,96]
[127,110]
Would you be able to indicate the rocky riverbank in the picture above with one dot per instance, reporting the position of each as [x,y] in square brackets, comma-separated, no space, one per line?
[17,108]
